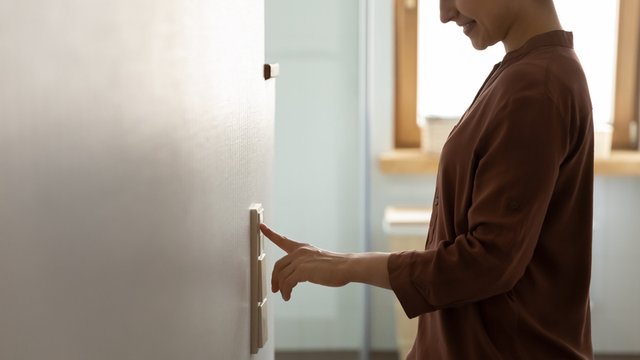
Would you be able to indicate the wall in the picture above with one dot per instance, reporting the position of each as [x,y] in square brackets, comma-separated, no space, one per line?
[318,166]
[615,289]
[412,190]
[134,135]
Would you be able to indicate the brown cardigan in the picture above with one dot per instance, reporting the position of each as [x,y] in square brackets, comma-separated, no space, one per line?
[506,267]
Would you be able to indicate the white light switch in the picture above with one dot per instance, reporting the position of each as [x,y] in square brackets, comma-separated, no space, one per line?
[261,277]
[258,300]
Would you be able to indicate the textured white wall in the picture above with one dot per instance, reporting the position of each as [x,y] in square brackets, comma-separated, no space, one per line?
[134,135]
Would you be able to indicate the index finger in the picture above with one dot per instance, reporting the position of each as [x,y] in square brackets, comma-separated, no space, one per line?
[282,242]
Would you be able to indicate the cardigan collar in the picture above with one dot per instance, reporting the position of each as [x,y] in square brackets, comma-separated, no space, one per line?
[551,38]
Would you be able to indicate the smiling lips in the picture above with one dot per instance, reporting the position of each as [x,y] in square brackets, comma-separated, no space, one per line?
[468,27]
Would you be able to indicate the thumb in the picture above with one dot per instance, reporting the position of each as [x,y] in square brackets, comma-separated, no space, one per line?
[282,242]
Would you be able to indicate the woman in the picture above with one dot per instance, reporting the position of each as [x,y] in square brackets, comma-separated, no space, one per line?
[506,268]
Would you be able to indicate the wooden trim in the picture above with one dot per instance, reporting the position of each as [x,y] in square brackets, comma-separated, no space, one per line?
[408,161]
[407,132]
[627,90]
[621,163]
[414,161]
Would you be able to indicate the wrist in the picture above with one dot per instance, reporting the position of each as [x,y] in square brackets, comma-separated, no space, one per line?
[369,268]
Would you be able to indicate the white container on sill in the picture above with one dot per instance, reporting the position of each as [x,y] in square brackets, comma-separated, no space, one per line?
[603,133]
[434,132]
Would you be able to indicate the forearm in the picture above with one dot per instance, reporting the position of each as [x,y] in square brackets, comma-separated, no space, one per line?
[305,262]
[369,268]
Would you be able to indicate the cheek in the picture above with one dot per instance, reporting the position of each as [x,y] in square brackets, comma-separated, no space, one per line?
[466,7]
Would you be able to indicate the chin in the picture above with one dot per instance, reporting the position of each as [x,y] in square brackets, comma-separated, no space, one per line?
[479,45]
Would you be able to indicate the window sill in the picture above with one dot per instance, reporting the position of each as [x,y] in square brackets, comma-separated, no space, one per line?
[414,161]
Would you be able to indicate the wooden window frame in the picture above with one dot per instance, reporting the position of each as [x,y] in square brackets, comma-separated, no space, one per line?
[627,88]
[626,129]
[407,132]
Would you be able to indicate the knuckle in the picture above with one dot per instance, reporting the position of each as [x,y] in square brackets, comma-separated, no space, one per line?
[305,250]
[280,264]
[282,280]
[290,284]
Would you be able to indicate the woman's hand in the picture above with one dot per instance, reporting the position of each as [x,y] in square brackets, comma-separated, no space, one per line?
[305,262]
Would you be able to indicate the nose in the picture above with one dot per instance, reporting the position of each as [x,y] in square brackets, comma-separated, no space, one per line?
[448,11]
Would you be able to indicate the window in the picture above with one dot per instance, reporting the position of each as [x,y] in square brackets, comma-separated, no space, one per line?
[612,70]
[627,86]
[407,133]
[450,70]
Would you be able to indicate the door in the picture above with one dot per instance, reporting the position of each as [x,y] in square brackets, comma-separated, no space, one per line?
[134,136]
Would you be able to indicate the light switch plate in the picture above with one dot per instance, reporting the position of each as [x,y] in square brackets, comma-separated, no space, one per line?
[258,294]
[263,323]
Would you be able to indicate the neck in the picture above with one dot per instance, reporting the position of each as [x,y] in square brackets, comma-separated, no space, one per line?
[537,17]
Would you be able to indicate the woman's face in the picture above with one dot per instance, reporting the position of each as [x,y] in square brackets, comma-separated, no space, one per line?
[485,22]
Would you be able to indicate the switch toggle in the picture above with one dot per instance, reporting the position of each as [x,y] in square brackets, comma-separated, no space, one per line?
[258,300]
